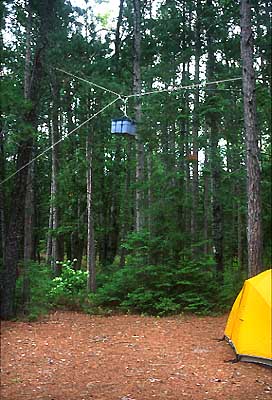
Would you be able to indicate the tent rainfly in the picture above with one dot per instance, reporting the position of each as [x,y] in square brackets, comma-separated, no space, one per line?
[249,325]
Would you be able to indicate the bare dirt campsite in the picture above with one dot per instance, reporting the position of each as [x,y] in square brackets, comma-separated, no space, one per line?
[74,356]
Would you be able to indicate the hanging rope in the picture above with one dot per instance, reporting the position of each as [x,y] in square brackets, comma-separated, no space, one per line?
[60,140]
[125,100]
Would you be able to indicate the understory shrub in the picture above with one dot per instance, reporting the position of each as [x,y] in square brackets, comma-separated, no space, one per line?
[161,289]
[234,277]
[68,289]
[38,277]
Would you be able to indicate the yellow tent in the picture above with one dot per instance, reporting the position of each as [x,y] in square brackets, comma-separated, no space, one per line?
[249,325]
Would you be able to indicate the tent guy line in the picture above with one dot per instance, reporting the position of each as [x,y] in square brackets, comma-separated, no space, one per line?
[124,98]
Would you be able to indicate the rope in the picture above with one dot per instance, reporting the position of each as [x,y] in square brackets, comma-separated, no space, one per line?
[60,140]
[174,89]
[119,97]
[89,82]
[169,90]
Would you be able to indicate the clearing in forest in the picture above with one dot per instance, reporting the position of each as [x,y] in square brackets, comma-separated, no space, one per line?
[73,356]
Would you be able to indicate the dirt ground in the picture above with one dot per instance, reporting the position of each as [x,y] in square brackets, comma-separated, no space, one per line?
[72,356]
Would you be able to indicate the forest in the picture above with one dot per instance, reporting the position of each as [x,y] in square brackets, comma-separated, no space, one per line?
[171,219]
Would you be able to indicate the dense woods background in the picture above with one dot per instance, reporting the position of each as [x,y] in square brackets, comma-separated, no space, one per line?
[156,224]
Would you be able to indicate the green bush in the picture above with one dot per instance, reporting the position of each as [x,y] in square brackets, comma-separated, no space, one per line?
[160,289]
[39,280]
[68,289]
[234,277]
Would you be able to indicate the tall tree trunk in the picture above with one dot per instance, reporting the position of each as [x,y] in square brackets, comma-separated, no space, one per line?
[127,202]
[187,172]
[15,230]
[77,242]
[91,279]
[27,74]
[49,235]
[215,160]
[137,90]
[2,170]
[15,233]
[254,232]
[29,199]
[2,195]
[240,226]
[195,129]
[50,218]
[117,42]
[188,186]
[206,177]
[149,193]
[55,136]
[28,236]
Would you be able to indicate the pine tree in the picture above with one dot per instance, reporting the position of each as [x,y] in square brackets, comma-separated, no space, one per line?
[254,232]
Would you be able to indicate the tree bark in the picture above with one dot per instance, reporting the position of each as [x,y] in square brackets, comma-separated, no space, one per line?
[29,199]
[215,161]
[117,43]
[138,113]
[254,231]
[55,136]
[149,193]
[240,228]
[2,195]
[15,233]
[29,251]
[76,241]
[15,229]
[91,269]
[195,129]
[128,217]
[206,177]
[49,235]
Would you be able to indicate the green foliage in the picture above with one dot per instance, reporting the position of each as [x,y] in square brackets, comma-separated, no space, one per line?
[68,289]
[39,280]
[161,289]
[138,246]
[234,277]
